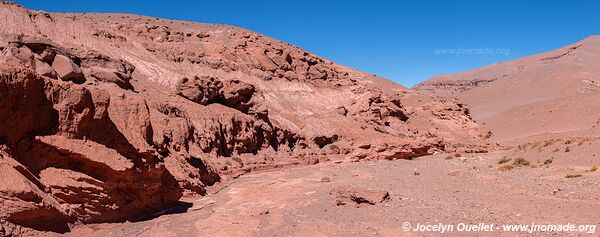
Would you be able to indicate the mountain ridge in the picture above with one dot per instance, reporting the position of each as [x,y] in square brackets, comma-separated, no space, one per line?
[565,76]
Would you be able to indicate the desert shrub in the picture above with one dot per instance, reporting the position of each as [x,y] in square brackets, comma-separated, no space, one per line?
[238,160]
[594,168]
[570,176]
[548,161]
[449,158]
[520,162]
[503,160]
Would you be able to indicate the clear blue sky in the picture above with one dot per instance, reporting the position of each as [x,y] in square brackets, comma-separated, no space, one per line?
[393,39]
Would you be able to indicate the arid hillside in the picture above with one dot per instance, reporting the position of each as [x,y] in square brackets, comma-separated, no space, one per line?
[112,117]
[556,92]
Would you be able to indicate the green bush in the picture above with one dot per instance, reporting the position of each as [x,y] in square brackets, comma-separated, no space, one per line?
[570,176]
[503,160]
[521,162]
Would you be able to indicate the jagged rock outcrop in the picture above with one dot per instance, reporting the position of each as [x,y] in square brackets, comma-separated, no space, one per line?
[107,69]
[117,116]
[441,87]
[24,201]
[208,90]
[203,90]
[74,163]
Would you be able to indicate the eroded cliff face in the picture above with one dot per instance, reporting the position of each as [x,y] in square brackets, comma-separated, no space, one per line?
[108,117]
[66,160]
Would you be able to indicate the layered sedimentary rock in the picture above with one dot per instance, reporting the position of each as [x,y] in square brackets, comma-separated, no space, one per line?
[108,117]
[66,160]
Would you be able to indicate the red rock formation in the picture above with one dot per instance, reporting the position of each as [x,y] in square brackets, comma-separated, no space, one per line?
[115,116]
[76,165]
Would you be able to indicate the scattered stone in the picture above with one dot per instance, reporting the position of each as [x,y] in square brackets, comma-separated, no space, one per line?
[44,69]
[454,173]
[357,196]
[416,172]
[364,146]
[342,110]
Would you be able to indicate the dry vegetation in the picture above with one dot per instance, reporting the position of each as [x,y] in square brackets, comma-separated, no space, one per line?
[569,142]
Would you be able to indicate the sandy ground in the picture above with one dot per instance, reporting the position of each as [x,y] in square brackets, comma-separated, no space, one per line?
[429,190]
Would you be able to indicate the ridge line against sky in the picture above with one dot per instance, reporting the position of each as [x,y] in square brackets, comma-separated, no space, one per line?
[407,42]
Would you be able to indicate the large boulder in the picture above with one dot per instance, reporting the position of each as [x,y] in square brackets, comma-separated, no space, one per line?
[237,94]
[67,69]
[202,90]
[206,90]
[42,68]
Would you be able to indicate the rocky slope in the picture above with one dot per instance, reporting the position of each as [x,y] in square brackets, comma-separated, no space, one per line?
[549,93]
[296,202]
[110,117]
